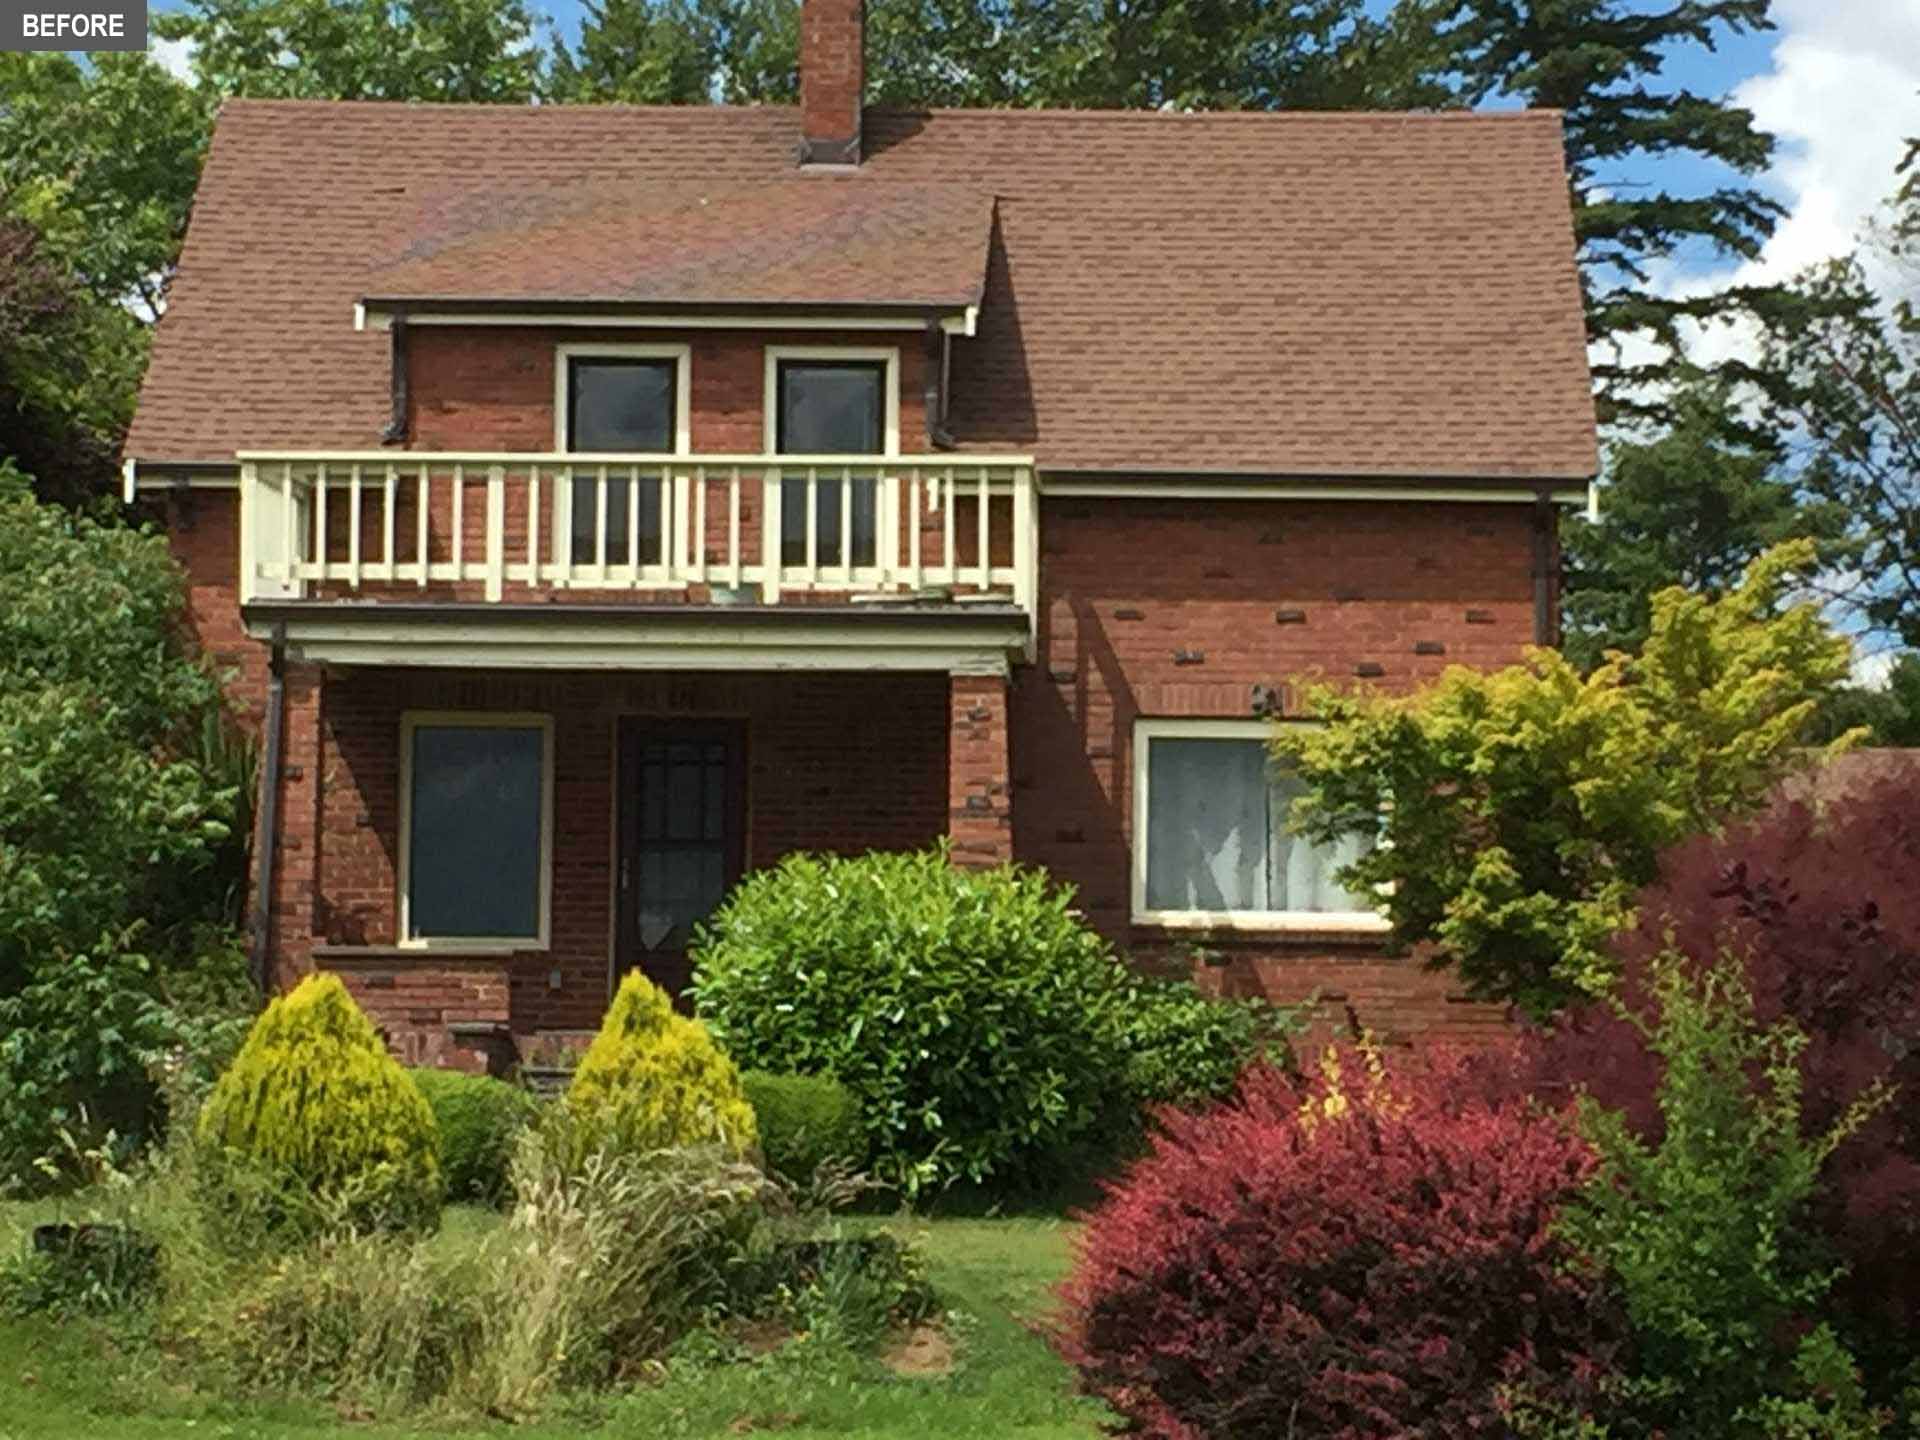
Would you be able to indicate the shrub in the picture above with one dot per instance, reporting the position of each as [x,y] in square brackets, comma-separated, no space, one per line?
[1348,1255]
[477,1118]
[1703,1231]
[962,1007]
[1820,908]
[314,1103]
[119,843]
[804,1122]
[1182,1047]
[654,1080]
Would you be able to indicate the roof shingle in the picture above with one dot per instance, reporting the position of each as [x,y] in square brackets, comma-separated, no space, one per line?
[1298,294]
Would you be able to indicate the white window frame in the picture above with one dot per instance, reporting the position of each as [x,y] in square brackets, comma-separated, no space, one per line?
[681,355]
[412,721]
[888,355]
[1145,732]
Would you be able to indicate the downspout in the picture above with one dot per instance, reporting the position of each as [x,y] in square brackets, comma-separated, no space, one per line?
[1546,629]
[269,810]
[934,396]
[396,430]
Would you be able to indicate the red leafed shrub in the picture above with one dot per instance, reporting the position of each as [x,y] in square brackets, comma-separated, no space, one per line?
[1824,907]
[1357,1254]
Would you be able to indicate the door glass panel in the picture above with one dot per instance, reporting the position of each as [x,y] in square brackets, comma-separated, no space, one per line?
[681,874]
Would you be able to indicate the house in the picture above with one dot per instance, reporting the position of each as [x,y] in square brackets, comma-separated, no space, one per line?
[593,503]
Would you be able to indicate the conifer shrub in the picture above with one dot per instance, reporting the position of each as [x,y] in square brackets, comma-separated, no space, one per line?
[654,1080]
[1347,1254]
[477,1118]
[805,1121]
[314,1106]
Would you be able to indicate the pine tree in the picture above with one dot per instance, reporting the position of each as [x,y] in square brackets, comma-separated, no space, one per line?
[1599,62]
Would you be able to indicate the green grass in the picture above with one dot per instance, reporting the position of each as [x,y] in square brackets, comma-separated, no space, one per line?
[65,1383]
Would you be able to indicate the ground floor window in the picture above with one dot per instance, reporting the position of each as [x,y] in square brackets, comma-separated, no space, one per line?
[1211,837]
[476,826]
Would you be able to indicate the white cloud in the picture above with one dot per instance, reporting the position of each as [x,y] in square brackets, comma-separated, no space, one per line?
[175,56]
[1842,98]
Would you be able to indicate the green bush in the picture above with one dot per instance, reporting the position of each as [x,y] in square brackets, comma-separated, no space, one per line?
[1704,1232]
[804,1121]
[654,1080]
[1186,1048]
[477,1118]
[315,1105]
[122,835]
[981,1025]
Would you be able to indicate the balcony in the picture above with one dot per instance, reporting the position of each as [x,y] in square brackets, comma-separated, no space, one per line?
[741,546]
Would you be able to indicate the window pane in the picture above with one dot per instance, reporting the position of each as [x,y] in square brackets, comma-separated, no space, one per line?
[1218,840]
[620,405]
[1206,825]
[1302,876]
[793,521]
[831,407]
[474,857]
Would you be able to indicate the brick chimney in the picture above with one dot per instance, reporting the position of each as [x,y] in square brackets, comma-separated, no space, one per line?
[833,74]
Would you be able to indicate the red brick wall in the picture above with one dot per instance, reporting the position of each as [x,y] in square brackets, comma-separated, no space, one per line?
[203,527]
[843,763]
[487,387]
[1179,608]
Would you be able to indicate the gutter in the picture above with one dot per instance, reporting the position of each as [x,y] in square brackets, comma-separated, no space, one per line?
[259,956]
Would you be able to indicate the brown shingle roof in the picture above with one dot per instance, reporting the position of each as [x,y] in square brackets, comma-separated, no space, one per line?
[813,240]
[1307,294]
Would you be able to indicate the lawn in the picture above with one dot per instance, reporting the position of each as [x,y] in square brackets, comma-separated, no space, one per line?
[987,1374]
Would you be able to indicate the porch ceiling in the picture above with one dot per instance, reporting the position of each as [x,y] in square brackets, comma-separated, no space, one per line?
[970,639]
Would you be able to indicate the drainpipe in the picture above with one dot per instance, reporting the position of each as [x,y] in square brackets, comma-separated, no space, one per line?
[397,380]
[269,810]
[934,397]
[1546,630]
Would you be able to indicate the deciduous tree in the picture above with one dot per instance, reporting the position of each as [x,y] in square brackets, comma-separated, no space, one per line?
[1522,808]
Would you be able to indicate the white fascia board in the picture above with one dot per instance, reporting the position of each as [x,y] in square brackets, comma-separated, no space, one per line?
[981,649]
[383,320]
[1149,489]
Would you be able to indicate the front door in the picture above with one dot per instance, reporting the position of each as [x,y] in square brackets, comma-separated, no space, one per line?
[682,838]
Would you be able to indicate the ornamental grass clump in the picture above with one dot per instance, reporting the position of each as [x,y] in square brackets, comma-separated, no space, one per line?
[654,1080]
[315,1108]
[1351,1254]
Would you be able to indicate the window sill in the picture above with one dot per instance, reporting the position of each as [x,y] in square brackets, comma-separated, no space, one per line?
[427,950]
[1276,923]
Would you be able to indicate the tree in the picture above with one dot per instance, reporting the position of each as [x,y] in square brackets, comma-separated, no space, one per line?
[1597,61]
[1694,507]
[102,159]
[1199,54]
[117,835]
[642,52]
[1851,387]
[1889,713]
[69,365]
[473,50]
[1520,810]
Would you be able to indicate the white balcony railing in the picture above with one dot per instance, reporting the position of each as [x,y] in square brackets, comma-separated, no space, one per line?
[417,525]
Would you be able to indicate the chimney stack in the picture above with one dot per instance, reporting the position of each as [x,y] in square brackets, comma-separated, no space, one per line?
[833,75]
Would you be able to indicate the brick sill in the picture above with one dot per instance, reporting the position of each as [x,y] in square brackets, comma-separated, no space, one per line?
[389,954]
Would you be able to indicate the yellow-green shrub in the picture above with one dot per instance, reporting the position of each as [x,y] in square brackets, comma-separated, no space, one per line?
[654,1080]
[314,1102]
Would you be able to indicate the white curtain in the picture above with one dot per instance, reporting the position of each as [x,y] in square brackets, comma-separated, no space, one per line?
[1217,836]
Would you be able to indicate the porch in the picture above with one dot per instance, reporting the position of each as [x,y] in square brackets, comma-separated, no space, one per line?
[480,855]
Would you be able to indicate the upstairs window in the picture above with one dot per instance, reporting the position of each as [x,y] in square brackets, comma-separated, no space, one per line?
[1212,838]
[476,826]
[829,407]
[623,401]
